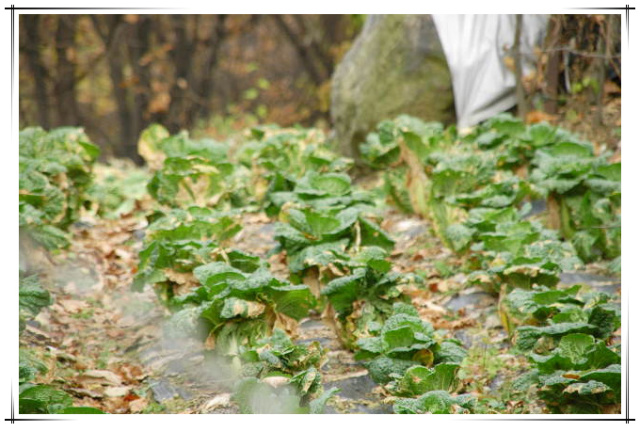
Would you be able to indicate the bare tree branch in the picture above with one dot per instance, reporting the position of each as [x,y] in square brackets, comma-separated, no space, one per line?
[517,56]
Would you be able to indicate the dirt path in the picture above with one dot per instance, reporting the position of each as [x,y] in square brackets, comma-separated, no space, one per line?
[95,321]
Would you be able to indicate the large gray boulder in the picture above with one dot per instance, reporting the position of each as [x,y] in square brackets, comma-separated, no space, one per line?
[396,65]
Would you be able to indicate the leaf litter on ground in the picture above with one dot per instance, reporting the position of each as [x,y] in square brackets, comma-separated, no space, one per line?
[101,331]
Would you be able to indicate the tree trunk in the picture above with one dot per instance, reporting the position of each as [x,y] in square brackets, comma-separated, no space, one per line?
[303,52]
[31,23]
[65,88]
[212,54]
[138,46]
[120,95]
[181,54]
[312,45]
[601,65]
[111,39]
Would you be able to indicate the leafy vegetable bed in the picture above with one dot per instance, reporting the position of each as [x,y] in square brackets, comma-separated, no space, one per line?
[475,191]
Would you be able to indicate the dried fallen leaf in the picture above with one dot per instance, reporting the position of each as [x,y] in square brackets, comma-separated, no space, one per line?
[276,381]
[396,253]
[222,400]
[73,306]
[335,270]
[430,306]
[571,376]
[131,372]
[420,255]
[117,391]
[131,396]
[106,376]
[115,405]
[115,334]
[138,406]
[210,342]
[537,116]
[83,392]
[256,218]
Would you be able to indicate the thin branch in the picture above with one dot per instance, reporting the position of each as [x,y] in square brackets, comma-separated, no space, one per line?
[295,41]
[107,40]
[312,44]
[580,53]
[520,94]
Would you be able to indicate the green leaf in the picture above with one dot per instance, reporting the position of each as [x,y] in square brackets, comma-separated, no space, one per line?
[418,379]
[450,351]
[575,346]
[526,380]
[401,337]
[332,184]
[343,291]
[383,369]
[404,340]
[43,399]
[611,172]
[216,273]
[370,346]
[606,317]
[569,149]
[380,151]
[394,186]
[372,235]
[92,150]
[294,301]
[29,366]
[307,382]
[615,265]
[317,405]
[256,397]
[290,238]
[373,257]
[55,173]
[80,411]
[535,306]
[611,376]
[434,402]
[184,323]
[600,356]
[32,297]
[458,236]
[552,362]
[527,336]
[234,307]
[50,237]
[318,224]
[150,139]
[587,388]
[317,255]
[244,261]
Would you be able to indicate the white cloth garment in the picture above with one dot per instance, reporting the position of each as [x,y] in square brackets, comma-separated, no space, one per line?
[475,47]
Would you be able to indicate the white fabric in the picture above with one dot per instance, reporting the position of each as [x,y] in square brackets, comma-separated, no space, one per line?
[475,47]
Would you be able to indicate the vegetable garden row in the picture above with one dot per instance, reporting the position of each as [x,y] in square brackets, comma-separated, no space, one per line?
[474,189]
